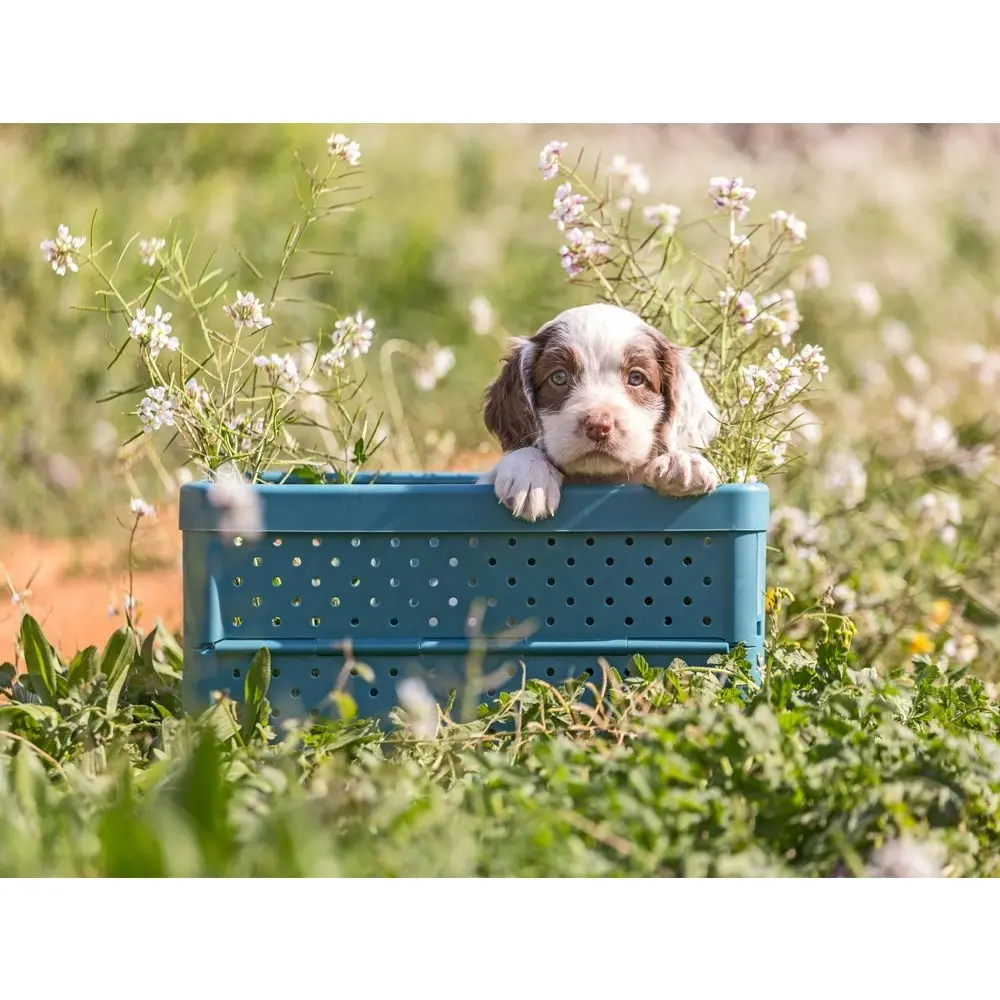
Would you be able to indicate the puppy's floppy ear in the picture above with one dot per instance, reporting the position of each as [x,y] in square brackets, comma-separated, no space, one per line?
[509,411]
[692,419]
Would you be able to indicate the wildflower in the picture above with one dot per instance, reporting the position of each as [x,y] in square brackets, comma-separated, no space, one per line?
[281,369]
[440,361]
[663,215]
[196,393]
[903,858]
[156,409]
[961,651]
[567,207]
[785,226]
[355,333]
[549,159]
[779,315]
[770,600]
[744,308]
[804,425]
[813,360]
[738,243]
[816,272]
[241,514]
[59,252]
[635,180]
[153,332]
[846,477]
[867,298]
[420,707]
[845,597]
[800,532]
[742,477]
[941,513]
[920,645]
[758,386]
[251,433]
[896,337]
[148,249]
[342,148]
[130,603]
[918,369]
[247,311]
[731,195]
[581,249]
[940,613]
[482,316]
[140,508]
[973,462]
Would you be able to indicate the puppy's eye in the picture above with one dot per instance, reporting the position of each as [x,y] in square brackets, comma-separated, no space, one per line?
[559,378]
[636,377]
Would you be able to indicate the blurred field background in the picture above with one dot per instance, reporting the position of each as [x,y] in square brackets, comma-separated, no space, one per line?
[454,249]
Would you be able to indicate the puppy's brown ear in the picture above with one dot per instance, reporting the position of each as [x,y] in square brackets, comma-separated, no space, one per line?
[691,419]
[509,410]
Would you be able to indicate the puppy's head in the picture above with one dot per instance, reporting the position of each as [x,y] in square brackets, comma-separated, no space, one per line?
[601,393]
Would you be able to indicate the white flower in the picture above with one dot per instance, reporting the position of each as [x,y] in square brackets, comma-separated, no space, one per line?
[581,249]
[846,598]
[247,311]
[148,249]
[812,360]
[130,602]
[816,272]
[846,478]
[941,513]
[354,334]
[785,226]
[250,433]
[739,244]
[59,252]
[896,337]
[549,159]
[242,513]
[962,650]
[742,477]
[663,215]
[635,180]
[804,425]
[420,707]
[918,369]
[156,410]
[903,859]
[282,369]
[741,305]
[867,298]
[731,195]
[141,508]
[196,393]
[798,531]
[439,361]
[342,148]
[482,316]
[153,332]
[567,207]
[780,315]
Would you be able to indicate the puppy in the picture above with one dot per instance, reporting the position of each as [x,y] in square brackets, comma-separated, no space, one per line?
[597,396]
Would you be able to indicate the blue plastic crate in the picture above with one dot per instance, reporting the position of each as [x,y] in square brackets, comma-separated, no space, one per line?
[418,571]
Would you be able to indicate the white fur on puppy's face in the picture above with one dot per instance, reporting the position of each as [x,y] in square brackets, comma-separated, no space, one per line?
[599,340]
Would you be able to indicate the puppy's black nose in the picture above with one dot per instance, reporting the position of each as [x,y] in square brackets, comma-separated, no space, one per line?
[598,427]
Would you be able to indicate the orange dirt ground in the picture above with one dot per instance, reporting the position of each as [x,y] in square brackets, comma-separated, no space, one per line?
[75,582]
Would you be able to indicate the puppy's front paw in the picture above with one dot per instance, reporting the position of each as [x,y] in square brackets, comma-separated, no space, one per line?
[682,474]
[526,484]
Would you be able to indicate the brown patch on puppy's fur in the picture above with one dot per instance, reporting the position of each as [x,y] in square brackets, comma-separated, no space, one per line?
[509,407]
[655,354]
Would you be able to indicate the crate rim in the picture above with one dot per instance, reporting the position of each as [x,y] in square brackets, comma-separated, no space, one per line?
[455,503]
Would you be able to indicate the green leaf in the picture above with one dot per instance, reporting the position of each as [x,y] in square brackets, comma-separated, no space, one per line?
[83,667]
[37,713]
[346,705]
[115,662]
[307,474]
[221,719]
[41,660]
[258,680]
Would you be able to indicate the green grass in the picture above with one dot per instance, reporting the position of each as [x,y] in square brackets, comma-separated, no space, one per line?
[668,773]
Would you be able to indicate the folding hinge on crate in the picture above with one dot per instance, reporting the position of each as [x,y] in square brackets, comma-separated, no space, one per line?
[416,574]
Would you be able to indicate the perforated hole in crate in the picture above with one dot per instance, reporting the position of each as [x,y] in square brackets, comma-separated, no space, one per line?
[568,586]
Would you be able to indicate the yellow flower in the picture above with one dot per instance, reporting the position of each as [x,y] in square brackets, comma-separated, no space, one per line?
[940,613]
[920,644]
[770,600]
